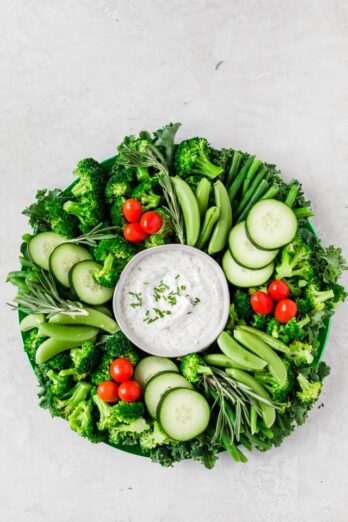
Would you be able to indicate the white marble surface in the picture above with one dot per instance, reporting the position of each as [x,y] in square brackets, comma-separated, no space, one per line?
[76,76]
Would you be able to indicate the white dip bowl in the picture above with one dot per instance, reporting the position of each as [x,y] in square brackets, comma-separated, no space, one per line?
[172,300]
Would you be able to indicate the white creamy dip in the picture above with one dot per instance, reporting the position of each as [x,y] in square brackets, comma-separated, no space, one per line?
[173,301]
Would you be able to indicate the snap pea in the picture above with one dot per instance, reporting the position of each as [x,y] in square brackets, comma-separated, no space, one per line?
[51,347]
[68,333]
[93,317]
[254,167]
[259,192]
[257,346]
[253,420]
[276,344]
[211,217]
[237,183]
[304,212]
[258,178]
[202,195]
[232,449]
[235,165]
[190,209]
[221,360]
[268,411]
[238,354]
[31,321]
[223,226]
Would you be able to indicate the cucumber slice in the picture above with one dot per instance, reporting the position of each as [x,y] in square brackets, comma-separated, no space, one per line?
[63,258]
[271,224]
[152,365]
[183,414]
[245,252]
[244,277]
[85,286]
[158,385]
[41,247]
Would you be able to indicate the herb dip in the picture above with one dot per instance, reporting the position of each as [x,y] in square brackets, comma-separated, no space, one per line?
[172,301]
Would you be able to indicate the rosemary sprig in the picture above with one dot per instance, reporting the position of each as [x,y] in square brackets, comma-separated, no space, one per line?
[92,237]
[40,296]
[152,157]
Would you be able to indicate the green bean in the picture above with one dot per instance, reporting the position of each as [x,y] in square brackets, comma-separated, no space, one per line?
[257,346]
[237,183]
[267,433]
[253,420]
[51,347]
[276,344]
[190,209]
[259,192]
[93,317]
[223,226]
[68,333]
[31,321]
[245,442]
[238,354]
[234,168]
[304,212]
[211,217]
[268,411]
[291,195]
[232,449]
[251,189]
[271,192]
[254,167]
[202,195]
[221,360]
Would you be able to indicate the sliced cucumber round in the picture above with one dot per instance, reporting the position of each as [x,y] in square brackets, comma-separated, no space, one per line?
[245,252]
[152,365]
[40,247]
[271,224]
[158,385]
[63,258]
[244,277]
[86,288]
[183,414]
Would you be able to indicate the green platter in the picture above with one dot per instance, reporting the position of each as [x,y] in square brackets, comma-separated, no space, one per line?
[323,334]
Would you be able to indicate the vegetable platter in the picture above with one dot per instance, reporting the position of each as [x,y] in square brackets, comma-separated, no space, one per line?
[263,372]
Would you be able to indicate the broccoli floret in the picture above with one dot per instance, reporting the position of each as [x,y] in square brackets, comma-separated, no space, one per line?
[92,178]
[116,213]
[290,331]
[31,344]
[86,358]
[154,241]
[127,412]
[260,321]
[107,416]
[295,261]
[89,210]
[128,434]
[165,234]
[61,222]
[193,367]
[193,157]
[146,195]
[310,391]
[242,304]
[81,420]
[300,353]
[278,393]
[59,362]
[59,384]
[117,345]
[153,437]
[120,183]
[139,145]
[72,398]
[317,298]
[114,254]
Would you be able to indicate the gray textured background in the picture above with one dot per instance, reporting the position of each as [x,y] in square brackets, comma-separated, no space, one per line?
[76,76]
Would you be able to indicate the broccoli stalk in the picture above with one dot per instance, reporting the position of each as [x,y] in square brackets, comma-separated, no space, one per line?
[146,195]
[89,210]
[192,157]
[73,397]
[193,367]
[310,391]
[317,298]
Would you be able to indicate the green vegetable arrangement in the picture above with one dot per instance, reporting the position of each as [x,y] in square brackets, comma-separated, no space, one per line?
[250,388]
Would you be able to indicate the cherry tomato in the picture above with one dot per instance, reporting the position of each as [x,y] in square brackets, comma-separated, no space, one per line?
[108,391]
[285,310]
[278,290]
[129,391]
[134,233]
[121,370]
[151,222]
[132,210]
[261,302]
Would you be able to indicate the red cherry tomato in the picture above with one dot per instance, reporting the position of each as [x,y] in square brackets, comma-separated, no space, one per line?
[121,370]
[129,391]
[285,310]
[134,233]
[278,290]
[132,210]
[108,391]
[261,302]
[151,222]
